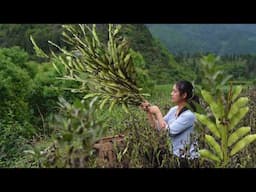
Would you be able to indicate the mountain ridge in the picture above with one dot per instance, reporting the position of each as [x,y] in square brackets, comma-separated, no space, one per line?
[220,39]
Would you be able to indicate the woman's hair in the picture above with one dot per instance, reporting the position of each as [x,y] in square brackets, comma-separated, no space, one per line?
[186,87]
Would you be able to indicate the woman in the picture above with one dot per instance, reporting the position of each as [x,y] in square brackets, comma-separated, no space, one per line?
[179,121]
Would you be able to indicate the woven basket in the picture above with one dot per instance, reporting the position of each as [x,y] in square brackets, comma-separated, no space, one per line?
[105,149]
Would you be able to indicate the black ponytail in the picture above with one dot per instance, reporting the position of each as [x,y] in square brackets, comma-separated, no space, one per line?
[192,102]
[186,87]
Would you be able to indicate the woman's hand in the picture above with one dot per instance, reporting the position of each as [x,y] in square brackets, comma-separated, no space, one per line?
[145,106]
[154,114]
[154,109]
[163,124]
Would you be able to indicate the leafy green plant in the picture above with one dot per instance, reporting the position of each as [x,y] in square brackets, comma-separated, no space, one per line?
[142,79]
[106,70]
[226,139]
[76,131]
[211,76]
[144,146]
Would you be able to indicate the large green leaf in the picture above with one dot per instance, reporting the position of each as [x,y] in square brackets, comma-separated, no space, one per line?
[207,96]
[204,153]
[207,122]
[236,91]
[214,145]
[241,102]
[242,144]
[237,135]
[237,117]
[217,109]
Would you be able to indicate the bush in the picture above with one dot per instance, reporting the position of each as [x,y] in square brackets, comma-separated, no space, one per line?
[76,129]
[16,85]
[44,96]
[143,78]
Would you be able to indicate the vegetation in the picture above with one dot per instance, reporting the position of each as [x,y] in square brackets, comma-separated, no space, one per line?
[105,71]
[221,39]
[46,121]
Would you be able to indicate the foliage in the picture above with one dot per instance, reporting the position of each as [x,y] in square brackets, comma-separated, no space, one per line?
[107,70]
[13,137]
[44,96]
[76,131]
[227,115]
[237,68]
[221,39]
[15,87]
[143,79]
[144,147]
[18,35]
[223,110]
[211,77]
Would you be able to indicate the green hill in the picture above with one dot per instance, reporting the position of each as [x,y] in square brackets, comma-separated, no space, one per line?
[217,38]
[156,57]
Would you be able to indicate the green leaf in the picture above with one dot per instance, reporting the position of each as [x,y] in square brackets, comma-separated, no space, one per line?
[217,110]
[204,153]
[112,104]
[237,117]
[146,94]
[90,95]
[238,134]
[242,144]
[241,102]
[215,76]
[199,108]
[93,101]
[211,126]
[207,96]
[30,152]
[39,52]
[214,145]
[62,50]
[224,81]
[125,108]
[95,34]
[236,91]
[56,68]
[103,102]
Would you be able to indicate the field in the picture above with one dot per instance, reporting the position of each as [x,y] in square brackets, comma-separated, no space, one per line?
[145,147]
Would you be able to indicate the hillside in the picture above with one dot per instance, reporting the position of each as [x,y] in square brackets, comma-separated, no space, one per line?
[140,38]
[217,38]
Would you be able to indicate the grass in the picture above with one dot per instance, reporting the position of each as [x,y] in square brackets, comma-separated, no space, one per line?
[117,117]
[116,121]
[143,148]
[162,97]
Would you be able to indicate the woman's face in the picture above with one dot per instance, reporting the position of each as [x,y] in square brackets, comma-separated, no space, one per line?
[175,94]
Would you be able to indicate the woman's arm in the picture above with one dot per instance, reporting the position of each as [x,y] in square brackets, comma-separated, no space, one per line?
[155,111]
[152,120]
[154,115]
[182,123]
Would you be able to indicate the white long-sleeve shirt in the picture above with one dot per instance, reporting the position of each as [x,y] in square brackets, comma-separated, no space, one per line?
[180,129]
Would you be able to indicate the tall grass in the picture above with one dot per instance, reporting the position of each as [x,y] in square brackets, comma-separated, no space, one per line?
[145,147]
